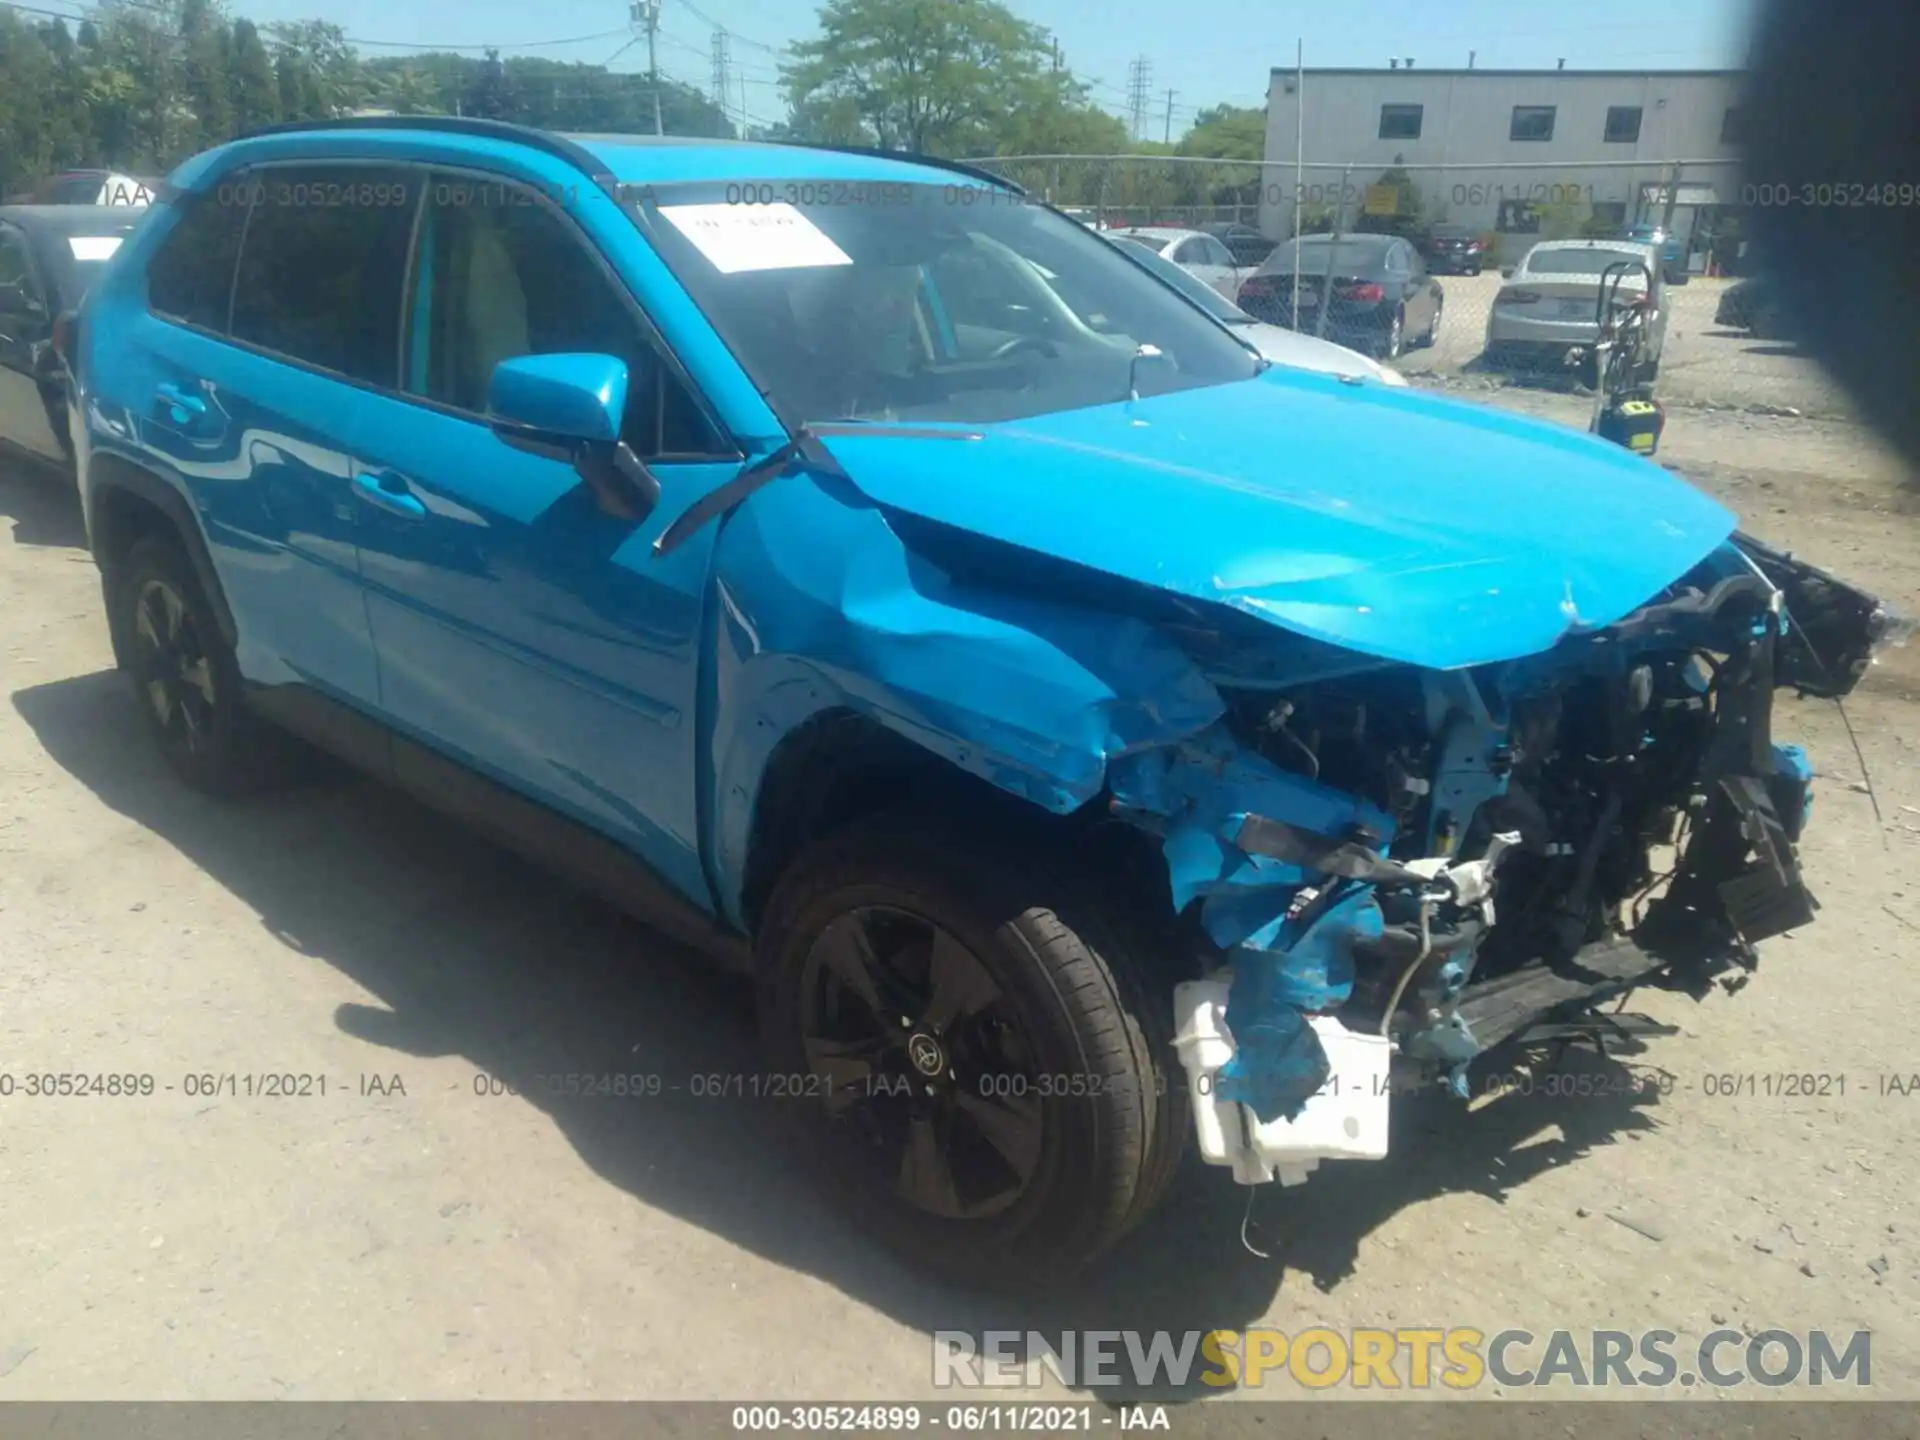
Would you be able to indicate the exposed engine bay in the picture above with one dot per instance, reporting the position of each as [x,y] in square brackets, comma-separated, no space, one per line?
[1432,863]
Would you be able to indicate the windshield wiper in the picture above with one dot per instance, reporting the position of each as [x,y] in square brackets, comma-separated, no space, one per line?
[804,451]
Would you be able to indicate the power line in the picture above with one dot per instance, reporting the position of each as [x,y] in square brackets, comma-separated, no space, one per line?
[699,14]
[522,45]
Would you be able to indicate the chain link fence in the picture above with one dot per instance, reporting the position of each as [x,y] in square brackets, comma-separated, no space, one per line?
[1477,316]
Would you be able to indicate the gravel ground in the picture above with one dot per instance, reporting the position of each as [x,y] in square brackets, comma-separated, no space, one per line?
[405,1236]
[1703,364]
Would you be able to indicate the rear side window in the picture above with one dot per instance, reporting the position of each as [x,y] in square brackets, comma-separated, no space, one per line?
[191,279]
[323,266]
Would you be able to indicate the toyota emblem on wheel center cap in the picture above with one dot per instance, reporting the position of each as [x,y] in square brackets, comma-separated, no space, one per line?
[924,1051]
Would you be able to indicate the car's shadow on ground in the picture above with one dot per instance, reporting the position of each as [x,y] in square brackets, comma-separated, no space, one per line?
[475,954]
[42,503]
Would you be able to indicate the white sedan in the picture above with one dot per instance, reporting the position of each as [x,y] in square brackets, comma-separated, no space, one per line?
[1194,251]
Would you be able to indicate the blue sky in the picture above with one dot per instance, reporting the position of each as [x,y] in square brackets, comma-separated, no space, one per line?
[1206,51]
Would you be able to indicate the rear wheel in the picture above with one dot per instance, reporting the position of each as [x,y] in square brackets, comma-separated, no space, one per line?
[185,678]
[984,1059]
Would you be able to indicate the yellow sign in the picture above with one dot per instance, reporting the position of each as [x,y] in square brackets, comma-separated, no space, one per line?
[1383,199]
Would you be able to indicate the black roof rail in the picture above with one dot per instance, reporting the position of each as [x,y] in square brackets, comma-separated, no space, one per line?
[959,167]
[558,146]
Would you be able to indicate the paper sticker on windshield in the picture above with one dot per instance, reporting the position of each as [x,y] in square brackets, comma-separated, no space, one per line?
[755,237]
[93,247]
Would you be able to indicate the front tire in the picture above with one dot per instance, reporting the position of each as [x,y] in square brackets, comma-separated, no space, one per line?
[185,679]
[986,1057]
[1396,337]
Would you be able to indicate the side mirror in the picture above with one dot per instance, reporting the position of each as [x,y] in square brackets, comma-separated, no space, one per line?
[570,408]
[1506,272]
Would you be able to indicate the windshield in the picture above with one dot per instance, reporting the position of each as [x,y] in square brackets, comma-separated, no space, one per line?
[958,302]
[1580,262]
[1349,255]
[1203,295]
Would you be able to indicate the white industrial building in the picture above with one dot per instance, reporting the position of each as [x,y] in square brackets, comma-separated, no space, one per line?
[1523,150]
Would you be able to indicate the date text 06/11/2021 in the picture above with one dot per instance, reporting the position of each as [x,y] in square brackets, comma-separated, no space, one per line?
[990,1419]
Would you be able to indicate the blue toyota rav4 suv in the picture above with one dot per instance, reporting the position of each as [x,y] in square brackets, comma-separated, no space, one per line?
[1091,738]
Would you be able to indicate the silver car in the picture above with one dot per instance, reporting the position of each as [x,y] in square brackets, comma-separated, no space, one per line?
[1201,255]
[1274,342]
[1549,302]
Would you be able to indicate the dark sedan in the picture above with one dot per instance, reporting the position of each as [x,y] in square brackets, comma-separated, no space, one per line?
[1753,305]
[1454,250]
[1378,295]
[49,254]
[1246,244]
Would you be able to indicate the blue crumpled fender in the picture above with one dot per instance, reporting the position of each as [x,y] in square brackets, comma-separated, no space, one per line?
[819,606]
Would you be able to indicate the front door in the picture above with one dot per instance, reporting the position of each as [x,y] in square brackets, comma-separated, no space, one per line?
[519,628]
[26,364]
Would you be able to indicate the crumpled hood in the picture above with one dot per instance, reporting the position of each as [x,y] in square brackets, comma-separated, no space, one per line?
[1389,522]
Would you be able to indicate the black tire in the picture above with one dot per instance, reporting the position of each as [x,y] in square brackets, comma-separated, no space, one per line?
[1390,345]
[185,679]
[1055,1000]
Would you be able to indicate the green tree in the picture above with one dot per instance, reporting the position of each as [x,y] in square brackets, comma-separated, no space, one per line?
[206,87]
[491,95]
[329,76]
[256,97]
[936,76]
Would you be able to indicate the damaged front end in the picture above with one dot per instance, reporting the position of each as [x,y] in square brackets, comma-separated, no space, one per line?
[1385,861]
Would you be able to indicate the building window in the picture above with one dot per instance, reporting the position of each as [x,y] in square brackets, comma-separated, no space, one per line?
[1610,216]
[1400,122]
[1532,122]
[1518,217]
[1733,127]
[1623,125]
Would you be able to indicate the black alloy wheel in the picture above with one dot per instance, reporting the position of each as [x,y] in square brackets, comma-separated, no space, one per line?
[919,1052]
[977,1026]
[172,667]
[185,677]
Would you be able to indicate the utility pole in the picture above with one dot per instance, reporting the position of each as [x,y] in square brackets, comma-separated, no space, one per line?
[1139,85]
[721,89]
[647,13]
[1166,135]
[743,105]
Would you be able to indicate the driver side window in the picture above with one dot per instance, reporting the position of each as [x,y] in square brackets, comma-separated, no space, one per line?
[499,275]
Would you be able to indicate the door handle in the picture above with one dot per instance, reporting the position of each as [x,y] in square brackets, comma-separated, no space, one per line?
[182,406]
[390,493]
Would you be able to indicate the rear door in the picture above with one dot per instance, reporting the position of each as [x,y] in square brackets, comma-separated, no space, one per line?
[27,363]
[262,374]
[521,629]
